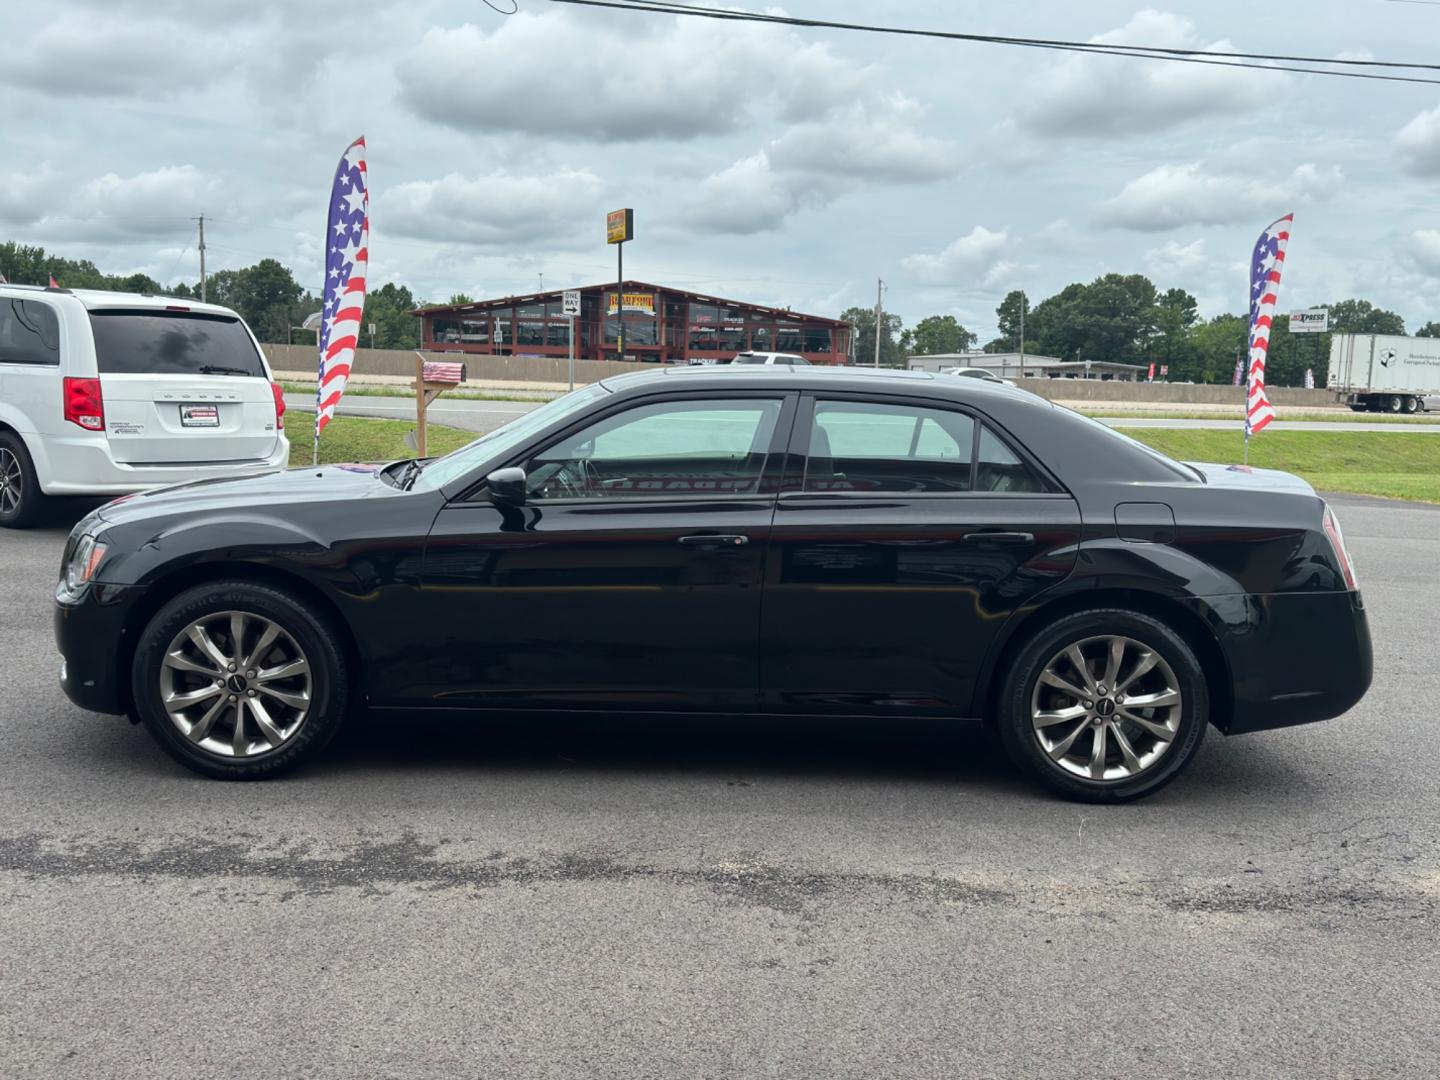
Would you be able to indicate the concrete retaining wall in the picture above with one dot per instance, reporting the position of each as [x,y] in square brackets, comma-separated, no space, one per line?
[1171,393]
[478,368]
[299,358]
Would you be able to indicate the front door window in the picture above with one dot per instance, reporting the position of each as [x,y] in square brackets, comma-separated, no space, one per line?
[709,447]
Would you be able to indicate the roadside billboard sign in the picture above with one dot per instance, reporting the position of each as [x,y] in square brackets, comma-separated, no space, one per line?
[619,226]
[1309,321]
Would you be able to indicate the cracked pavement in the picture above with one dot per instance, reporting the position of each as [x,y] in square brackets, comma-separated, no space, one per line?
[716,898]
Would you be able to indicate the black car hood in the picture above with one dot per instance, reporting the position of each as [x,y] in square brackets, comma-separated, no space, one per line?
[326,483]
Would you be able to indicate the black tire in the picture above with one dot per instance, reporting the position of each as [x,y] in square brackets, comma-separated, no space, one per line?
[329,675]
[21,500]
[1361,407]
[1014,703]
[1412,404]
[1395,404]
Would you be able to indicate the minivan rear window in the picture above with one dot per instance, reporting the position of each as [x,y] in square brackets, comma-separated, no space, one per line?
[150,342]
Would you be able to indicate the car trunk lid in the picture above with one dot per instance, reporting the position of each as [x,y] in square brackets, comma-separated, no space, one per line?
[1248,478]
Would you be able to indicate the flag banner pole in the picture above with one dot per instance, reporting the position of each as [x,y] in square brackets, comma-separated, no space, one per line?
[1267,262]
[347,259]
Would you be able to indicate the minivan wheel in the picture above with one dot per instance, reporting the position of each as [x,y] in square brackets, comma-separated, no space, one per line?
[20,497]
[237,680]
[1104,706]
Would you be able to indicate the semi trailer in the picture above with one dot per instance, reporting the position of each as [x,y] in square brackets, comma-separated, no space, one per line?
[1384,372]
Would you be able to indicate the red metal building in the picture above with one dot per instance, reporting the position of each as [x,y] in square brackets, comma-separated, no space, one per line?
[662,325]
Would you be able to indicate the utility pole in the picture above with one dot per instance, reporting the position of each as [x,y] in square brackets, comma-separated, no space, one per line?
[879,316]
[542,280]
[201,220]
[1022,331]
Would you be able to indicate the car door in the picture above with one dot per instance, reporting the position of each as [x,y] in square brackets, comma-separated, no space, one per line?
[907,531]
[630,577]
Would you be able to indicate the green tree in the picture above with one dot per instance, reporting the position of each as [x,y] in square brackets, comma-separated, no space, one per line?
[1363,317]
[1008,317]
[935,335]
[1430,329]
[389,307]
[863,321]
[1112,318]
[1215,344]
[460,298]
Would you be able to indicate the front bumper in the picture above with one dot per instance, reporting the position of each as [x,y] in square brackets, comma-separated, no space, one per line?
[94,649]
[1294,658]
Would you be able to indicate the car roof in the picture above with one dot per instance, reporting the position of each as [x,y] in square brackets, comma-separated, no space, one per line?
[91,299]
[813,377]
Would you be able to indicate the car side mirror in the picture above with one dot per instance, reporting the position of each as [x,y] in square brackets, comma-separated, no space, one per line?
[507,486]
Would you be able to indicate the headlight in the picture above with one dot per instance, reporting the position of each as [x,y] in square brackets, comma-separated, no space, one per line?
[80,568]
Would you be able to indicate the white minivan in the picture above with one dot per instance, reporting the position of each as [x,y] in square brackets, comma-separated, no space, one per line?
[105,393]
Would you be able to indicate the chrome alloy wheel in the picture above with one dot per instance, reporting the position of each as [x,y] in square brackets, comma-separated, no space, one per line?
[1106,708]
[10,479]
[235,684]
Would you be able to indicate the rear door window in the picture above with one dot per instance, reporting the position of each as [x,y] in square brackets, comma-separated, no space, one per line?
[29,333]
[149,342]
[870,447]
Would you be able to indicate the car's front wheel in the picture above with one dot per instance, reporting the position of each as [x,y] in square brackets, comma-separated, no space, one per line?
[239,680]
[1105,706]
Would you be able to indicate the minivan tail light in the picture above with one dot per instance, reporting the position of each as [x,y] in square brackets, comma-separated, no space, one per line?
[1337,541]
[279,393]
[83,404]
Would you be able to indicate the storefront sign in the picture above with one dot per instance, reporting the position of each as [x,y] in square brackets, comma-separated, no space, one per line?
[634,301]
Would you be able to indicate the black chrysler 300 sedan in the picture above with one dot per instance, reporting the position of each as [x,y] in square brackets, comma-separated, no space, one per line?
[742,540]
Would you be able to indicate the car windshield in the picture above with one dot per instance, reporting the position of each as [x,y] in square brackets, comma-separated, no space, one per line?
[750,359]
[1189,472]
[502,440]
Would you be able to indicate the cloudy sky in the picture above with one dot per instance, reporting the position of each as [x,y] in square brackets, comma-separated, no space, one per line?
[767,164]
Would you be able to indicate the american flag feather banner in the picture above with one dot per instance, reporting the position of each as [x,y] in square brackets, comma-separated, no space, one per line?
[347,242]
[1266,264]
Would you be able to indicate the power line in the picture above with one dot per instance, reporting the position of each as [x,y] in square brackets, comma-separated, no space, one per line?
[1278,62]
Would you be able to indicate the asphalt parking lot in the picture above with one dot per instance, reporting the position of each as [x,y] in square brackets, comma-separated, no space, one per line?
[516,898]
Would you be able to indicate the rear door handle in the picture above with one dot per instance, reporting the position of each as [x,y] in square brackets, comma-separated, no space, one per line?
[997,536]
[715,540]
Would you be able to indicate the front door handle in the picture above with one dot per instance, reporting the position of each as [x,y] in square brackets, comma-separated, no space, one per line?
[997,536]
[715,540]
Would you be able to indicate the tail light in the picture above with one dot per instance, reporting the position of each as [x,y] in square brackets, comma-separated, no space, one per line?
[83,404]
[1337,541]
[279,393]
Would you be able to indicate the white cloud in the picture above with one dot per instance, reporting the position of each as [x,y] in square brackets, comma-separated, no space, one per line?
[1171,196]
[1418,144]
[978,256]
[493,211]
[1097,96]
[812,164]
[1173,261]
[876,141]
[80,54]
[109,208]
[627,79]
[1426,251]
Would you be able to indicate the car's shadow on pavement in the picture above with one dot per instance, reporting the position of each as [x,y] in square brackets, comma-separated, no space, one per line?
[963,754]
[726,745]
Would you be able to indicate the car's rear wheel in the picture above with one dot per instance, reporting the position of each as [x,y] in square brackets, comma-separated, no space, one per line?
[238,680]
[20,497]
[1105,706]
